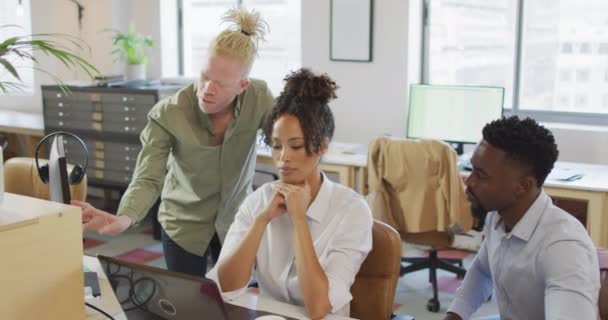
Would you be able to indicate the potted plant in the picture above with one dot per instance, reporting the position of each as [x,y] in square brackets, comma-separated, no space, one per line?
[16,48]
[130,48]
[24,48]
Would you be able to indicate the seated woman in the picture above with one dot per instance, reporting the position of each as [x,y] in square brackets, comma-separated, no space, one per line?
[304,237]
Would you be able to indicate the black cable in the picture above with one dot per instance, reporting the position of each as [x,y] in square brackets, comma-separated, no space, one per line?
[98,310]
[136,302]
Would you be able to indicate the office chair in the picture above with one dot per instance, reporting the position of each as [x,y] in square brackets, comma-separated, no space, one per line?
[602,302]
[21,177]
[374,288]
[437,241]
[415,187]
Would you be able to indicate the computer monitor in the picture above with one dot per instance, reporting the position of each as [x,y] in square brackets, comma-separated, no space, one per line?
[451,113]
[58,174]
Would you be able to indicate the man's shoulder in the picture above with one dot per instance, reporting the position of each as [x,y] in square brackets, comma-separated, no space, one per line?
[559,225]
[258,89]
[258,84]
[177,103]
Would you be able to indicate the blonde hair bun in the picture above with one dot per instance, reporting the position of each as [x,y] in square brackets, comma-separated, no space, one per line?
[240,39]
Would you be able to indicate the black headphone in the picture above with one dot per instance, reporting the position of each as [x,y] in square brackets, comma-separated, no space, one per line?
[77,172]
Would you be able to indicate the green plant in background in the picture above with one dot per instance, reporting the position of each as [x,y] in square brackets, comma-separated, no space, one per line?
[24,48]
[130,46]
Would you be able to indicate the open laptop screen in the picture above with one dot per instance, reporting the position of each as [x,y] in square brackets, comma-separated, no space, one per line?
[146,292]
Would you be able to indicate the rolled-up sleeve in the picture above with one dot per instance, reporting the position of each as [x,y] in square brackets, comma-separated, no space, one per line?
[147,181]
[242,222]
[352,243]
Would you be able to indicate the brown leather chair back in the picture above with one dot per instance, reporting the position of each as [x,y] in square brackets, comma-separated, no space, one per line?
[21,177]
[603,300]
[602,258]
[374,287]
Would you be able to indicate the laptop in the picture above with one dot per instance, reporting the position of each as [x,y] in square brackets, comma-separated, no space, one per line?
[146,292]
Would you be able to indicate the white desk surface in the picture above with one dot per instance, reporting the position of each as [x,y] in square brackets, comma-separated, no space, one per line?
[254,301]
[595,177]
[28,123]
[15,208]
[107,301]
[350,154]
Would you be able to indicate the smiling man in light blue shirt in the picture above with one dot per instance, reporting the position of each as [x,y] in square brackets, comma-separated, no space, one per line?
[539,259]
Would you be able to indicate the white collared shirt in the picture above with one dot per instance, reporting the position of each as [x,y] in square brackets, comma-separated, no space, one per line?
[340,223]
[545,268]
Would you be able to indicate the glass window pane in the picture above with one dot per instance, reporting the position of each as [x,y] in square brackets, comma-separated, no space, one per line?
[279,54]
[566,36]
[201,23]
[472,42]
[17,14]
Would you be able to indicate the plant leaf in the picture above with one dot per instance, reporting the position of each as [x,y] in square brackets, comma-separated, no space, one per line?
[8,66]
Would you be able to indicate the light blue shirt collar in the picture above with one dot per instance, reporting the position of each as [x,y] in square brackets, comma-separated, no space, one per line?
[525,227]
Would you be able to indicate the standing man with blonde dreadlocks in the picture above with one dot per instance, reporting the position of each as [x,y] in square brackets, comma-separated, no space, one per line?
[198,152]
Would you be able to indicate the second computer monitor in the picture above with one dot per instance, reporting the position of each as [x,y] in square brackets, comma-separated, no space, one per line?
[58,174]
[452,113]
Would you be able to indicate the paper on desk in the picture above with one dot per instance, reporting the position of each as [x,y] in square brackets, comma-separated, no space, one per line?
[564,174]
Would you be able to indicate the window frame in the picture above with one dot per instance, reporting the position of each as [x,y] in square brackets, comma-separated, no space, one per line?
[584,118]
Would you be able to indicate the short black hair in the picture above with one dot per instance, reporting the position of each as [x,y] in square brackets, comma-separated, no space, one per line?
[305,96]
[524,141]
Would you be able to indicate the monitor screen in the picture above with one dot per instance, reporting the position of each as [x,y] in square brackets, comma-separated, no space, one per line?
[452,113]
[58,173]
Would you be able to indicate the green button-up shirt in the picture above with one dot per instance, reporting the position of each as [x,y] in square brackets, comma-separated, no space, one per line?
[201,184]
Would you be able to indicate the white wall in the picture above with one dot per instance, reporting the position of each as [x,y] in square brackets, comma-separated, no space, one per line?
[581,143]
[372,97]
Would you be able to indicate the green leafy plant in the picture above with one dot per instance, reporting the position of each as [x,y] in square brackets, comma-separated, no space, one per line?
[130,46]
[48,43]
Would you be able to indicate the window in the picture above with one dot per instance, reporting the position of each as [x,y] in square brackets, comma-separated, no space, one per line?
[582,76]
[15,19]
[581,101]
[278,55]
[472,43]
[536,49]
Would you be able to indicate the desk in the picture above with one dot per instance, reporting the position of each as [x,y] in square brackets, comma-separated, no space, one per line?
[347,160]
[18,122]
[108,302]
[591,188]
[22,130]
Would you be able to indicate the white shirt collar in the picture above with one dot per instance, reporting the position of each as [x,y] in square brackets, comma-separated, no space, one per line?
[318,208]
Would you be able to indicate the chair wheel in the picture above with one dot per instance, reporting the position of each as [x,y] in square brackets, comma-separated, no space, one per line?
[433,305]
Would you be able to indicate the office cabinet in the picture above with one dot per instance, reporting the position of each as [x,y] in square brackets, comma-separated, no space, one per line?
[109,120]
[41,249]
